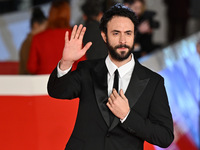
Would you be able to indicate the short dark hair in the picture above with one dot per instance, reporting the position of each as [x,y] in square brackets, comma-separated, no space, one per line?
[92,8]
[118,10]
[37,16]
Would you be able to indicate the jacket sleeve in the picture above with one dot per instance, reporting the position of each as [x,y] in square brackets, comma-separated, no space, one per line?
[65,87]
[157,128]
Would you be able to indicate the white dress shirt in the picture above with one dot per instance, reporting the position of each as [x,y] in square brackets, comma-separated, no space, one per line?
[125,73]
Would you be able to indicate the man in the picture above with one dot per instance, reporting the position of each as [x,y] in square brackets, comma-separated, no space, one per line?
[194,20]
[147,24]
[177,19]
[92,14]
[108,120]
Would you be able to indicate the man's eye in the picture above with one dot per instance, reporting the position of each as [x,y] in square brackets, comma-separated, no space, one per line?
[115,33]
[128,33]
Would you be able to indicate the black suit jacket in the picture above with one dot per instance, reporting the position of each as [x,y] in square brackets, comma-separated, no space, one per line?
[149,119]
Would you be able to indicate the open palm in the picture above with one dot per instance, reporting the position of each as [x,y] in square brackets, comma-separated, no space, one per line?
[73,47]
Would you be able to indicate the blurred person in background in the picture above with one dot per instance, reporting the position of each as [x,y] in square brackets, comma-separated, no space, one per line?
[38,24]
[147,24]
[46,47]
[194,22]
[92,13]
[107,4]
[177,16]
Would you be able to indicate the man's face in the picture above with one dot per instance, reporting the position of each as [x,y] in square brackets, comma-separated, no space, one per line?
[119,38]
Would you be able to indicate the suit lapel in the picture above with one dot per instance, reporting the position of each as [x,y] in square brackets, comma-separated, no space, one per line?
[138,83]
[135,88]
[99,75]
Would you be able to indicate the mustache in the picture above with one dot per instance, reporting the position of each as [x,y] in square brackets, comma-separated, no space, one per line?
[122,46]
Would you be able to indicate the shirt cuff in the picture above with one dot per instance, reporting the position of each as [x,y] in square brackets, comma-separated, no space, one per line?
[122,120]
[62,72]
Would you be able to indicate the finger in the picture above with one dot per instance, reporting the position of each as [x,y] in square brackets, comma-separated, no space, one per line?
[82,33]
[110,101]
[112,97]
[109,106]
[73,32]
[78,31]
[87,46]
[115,93]
[122,95]
[67,37]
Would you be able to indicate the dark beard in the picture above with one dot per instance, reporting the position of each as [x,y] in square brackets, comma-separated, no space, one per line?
[123,55]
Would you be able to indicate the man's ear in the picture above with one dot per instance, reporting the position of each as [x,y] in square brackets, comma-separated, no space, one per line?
[103,36]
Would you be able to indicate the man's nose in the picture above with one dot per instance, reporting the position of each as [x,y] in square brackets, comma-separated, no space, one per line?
[122,39]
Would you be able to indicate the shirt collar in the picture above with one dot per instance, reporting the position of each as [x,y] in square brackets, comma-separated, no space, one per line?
[123,69]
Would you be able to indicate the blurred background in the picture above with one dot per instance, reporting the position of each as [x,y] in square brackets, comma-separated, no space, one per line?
[168,42]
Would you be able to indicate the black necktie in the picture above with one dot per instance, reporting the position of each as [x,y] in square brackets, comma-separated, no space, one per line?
[116,80]
[116,86]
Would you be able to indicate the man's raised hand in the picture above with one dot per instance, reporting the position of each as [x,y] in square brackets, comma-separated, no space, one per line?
[73,48]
